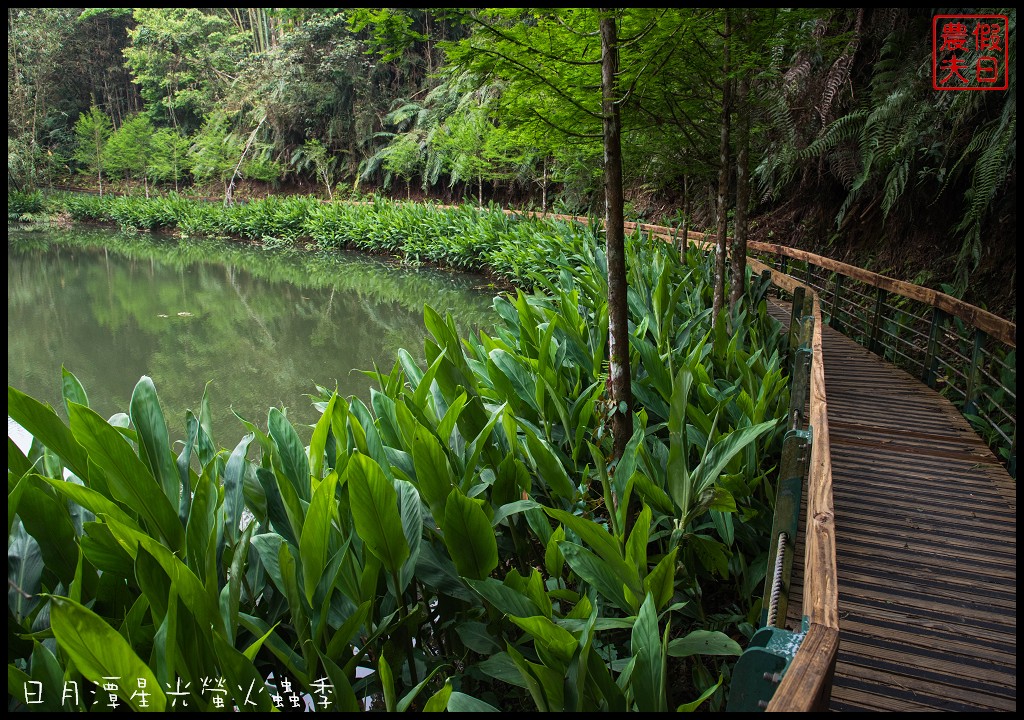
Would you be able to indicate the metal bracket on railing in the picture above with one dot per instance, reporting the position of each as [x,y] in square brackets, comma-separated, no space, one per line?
[762,666]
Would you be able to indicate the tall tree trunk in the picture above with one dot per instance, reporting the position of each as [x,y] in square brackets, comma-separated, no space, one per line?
[684,230]
[718,300]
[615,235]
[738,249]
[544,188]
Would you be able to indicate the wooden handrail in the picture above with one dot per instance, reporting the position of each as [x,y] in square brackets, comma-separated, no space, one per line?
[997,327]
[807,683]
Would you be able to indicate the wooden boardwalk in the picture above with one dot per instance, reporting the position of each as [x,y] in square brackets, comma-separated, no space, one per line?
[926,535]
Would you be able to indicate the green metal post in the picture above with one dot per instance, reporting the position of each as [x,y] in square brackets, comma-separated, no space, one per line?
[793,337]
[833,319]
[973,373]
[876,322]
[800,379]
[931,352]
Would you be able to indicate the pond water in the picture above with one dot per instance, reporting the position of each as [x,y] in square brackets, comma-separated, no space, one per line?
[264,327]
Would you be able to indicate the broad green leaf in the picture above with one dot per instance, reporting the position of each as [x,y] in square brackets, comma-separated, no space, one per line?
[460,702]
[45,516]
[546,685]
[319,440]
[232,591]
[165,642]
[714,462]
[438,702]
[447,424]
[342,697]
[499,665]
[712,554]
[254,647]
[42,423]
[435,569]
[99,651]
[387,683]
[549,468]
[678,474]
[522,380]
[554,638]
[190,589]
[374,505]
[347,631]
[704,642]
[24,570]
[596,572]
[128,478]
[639,536]
[315,543]
[648,678]
[433,473]
[243,679]
[661,580]
[407,699]
[291,452]
[46,670]
[477,637]
[512,508]
[234,498]
[553,560]
[184,466]
[504,598]
[692,706]
[469,537]
[410,511]
[71,389]
[277,512]
[607,547]
[154,444]
[478,445]
[201,522]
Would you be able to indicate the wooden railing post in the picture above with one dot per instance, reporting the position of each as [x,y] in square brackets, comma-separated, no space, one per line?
[833,315]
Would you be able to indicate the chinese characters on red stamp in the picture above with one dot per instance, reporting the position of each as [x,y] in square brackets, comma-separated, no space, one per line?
[970,52]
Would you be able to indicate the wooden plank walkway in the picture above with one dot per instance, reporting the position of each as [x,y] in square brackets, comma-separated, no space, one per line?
[926,533]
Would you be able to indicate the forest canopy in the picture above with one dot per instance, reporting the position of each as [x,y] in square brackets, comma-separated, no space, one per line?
[849,144]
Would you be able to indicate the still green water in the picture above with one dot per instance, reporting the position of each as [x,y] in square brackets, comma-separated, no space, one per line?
[263,327]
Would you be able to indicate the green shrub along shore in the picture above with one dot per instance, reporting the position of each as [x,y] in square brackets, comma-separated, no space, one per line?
[462,541]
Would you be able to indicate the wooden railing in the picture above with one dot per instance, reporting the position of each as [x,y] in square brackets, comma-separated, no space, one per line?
[807,683]
[965,352]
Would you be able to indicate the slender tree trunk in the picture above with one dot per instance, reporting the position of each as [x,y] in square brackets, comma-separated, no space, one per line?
[684,231]
[718,300]
[738,249]
[544,188]
[615,235]
[229,187]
